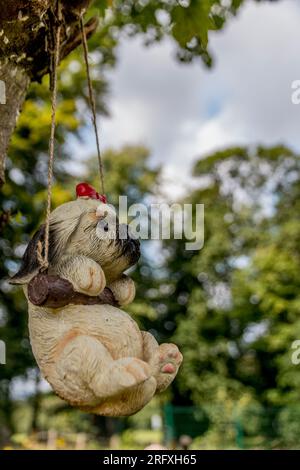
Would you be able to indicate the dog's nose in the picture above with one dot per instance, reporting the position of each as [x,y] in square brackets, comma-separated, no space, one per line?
[130,242]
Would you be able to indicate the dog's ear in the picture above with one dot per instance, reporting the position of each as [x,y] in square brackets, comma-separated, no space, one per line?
[30,264]
[61,229]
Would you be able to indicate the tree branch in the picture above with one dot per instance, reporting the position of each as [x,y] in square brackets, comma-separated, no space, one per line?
[56,292]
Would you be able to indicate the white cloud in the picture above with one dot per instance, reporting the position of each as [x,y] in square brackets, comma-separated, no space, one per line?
[184,111]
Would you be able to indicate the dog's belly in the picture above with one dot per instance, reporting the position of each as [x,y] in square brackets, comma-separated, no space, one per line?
[115,329]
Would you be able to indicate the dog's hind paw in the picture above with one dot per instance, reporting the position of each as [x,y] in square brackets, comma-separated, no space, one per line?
[166,363]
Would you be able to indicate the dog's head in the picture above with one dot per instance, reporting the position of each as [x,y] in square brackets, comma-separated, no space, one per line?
[83,227]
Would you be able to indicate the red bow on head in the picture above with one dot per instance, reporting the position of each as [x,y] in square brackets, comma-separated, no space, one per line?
[86,190]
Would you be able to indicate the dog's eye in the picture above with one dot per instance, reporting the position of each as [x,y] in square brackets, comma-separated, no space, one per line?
[105,228]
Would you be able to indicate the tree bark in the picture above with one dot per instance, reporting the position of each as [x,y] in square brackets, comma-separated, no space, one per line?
[16,82]
[26,42]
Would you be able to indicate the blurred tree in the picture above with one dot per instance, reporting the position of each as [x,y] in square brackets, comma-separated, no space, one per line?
[236,301]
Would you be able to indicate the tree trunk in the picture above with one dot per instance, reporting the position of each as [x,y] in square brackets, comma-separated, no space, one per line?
[16,81]
[26,42]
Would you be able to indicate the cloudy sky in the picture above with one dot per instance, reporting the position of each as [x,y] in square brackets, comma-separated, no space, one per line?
[182,112]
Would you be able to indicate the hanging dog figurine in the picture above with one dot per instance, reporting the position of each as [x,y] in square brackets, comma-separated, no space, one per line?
[94,356]
[91,352]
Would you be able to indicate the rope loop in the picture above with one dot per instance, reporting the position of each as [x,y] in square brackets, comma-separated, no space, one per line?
[44,259]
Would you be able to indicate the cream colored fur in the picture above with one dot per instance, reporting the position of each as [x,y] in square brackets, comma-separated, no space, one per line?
[95,356]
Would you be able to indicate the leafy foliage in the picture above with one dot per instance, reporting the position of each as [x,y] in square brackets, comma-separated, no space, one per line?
[187,22]
[240,316]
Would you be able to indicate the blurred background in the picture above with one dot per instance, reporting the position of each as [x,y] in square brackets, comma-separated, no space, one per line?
[190,110]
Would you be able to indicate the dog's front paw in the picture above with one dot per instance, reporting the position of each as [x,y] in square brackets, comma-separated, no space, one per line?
[123,290]
[91,280]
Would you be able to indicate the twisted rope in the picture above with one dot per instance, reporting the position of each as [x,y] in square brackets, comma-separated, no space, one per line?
[43,260]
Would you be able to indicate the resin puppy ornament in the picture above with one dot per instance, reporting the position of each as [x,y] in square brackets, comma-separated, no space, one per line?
[94,356]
